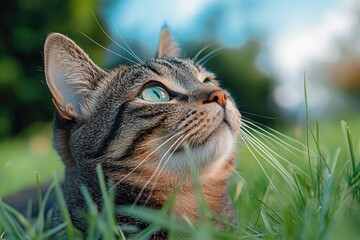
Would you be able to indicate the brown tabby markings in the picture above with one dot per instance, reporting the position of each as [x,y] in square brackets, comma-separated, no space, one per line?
[100,118]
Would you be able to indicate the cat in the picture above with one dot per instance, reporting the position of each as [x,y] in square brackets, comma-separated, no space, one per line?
[138,121]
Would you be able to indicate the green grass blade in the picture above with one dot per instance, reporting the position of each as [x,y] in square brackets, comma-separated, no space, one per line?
[348,140]
[92,214]
[307,129]
[50,233]
[108,198]
[64,211]
[9,224]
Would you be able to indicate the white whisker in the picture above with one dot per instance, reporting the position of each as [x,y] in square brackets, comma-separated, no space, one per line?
[210,55]
[157,168]
[269,158]
[273,136]
[163,165]
[271,151]
[128,50]
[258,161]
[117,54]
[134,169]
[203,49]
[159,138]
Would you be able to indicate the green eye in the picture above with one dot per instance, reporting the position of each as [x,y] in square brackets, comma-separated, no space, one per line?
[208,82]
[155,94]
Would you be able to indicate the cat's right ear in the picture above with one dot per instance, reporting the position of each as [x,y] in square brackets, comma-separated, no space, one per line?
[167,48]
[70,75]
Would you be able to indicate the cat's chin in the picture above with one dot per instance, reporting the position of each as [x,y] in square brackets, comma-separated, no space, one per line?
[215,150]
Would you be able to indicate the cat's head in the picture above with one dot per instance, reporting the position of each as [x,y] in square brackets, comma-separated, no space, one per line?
[140,115]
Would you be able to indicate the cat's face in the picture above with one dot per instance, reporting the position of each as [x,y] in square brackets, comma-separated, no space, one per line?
[141,115]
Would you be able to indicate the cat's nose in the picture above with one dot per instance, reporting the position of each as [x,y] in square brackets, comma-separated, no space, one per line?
[218,96]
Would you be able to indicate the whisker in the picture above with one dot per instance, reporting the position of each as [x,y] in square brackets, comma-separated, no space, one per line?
[203,49]
[258,161]
[106,49]
[258,115]
[134,169]
[272,161]
[265,150]
[268,130]
[159,138]
[270,136]
[129,51]
[107,35]
[163,165]
[157,168]
[210,55]
[245,128]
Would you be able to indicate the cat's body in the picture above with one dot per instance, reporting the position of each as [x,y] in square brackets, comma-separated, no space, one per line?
[135,121]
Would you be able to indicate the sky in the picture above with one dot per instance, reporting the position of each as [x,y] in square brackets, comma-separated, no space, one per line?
[293,34]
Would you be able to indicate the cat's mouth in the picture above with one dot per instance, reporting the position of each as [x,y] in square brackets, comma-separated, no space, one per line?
[225,120]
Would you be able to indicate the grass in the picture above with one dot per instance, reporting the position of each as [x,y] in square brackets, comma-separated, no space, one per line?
[323,202]
[26,154]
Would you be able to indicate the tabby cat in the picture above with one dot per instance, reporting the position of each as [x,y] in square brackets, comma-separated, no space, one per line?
[135,121]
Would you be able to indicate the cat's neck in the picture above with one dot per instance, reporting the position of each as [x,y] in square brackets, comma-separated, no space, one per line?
[213,188]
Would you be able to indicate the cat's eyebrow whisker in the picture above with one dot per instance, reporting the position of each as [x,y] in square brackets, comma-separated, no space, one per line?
[128,50]
[106,49]
[264,153]
[202,50]
[108,36]
[157,168]
[210,55]
[142,161]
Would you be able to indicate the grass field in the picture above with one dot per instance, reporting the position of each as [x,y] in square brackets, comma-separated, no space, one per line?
[315,196]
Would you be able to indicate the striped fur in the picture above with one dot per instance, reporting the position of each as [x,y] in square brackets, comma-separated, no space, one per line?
[101,119]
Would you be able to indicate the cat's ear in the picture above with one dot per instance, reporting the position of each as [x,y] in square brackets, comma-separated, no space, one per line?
[70,75]
[167,48]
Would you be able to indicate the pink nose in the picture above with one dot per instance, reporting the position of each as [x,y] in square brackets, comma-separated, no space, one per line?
[218,96]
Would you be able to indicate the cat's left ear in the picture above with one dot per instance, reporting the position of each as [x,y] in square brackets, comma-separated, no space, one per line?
[70,75]
[167,48]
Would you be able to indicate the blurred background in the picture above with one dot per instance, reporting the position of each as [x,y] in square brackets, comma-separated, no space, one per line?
[261,51]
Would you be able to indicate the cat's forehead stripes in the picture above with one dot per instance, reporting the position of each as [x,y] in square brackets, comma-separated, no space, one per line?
[186,67]
[178,74]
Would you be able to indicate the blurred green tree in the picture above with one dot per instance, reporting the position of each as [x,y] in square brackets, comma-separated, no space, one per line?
[24,25]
